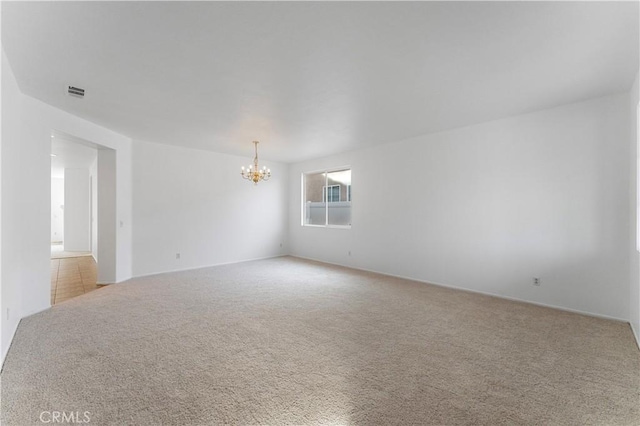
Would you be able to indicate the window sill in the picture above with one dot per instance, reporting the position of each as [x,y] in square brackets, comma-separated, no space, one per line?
[328,226]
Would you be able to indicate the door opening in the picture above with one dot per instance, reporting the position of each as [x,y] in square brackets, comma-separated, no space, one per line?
[75,205]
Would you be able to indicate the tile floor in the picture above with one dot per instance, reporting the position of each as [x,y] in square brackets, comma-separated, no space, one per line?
[72,277]
[57,252]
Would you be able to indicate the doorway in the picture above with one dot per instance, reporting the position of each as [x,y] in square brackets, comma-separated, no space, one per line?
[76,240]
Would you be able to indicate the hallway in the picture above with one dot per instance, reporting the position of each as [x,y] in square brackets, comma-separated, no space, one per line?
[71,277]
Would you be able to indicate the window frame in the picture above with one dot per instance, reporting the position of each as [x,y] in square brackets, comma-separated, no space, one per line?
[326,177]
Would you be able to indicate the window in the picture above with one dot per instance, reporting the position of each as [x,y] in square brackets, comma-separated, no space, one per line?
[327,198]
[334,193]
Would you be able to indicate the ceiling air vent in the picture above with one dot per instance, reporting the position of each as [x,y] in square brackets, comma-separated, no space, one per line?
[76,91]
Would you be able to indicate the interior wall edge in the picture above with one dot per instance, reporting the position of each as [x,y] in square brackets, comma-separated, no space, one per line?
[634,202]
[635,334]
[151,274]
[5,351]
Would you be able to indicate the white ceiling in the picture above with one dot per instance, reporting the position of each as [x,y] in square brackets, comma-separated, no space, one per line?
[70,153]
[310,79]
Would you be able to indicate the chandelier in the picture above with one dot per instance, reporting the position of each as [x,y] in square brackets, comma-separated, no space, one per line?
[254,173]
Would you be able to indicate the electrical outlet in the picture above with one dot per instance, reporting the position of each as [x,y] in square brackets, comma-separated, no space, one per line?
[536,281]
[178,256]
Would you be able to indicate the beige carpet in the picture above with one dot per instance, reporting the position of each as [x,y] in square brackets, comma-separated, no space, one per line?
[287,341]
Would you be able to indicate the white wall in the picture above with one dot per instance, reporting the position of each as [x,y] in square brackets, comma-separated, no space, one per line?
[77,209]
[38,121]
[4,334]
[195,203]
[634,256]
[26,197]
[107,216]
[124,213]
[93,173]
[490,206]
[57,210]
[10,247]
[2,325]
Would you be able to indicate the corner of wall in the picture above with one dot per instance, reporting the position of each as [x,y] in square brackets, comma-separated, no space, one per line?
[10,294]
[634,202]
[5,348]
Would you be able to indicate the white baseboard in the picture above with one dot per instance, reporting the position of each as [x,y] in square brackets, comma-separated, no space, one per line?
[37,311]
[207,266]
[112,282]
[486,293]
[6,351]
[635,334]
[13,332]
